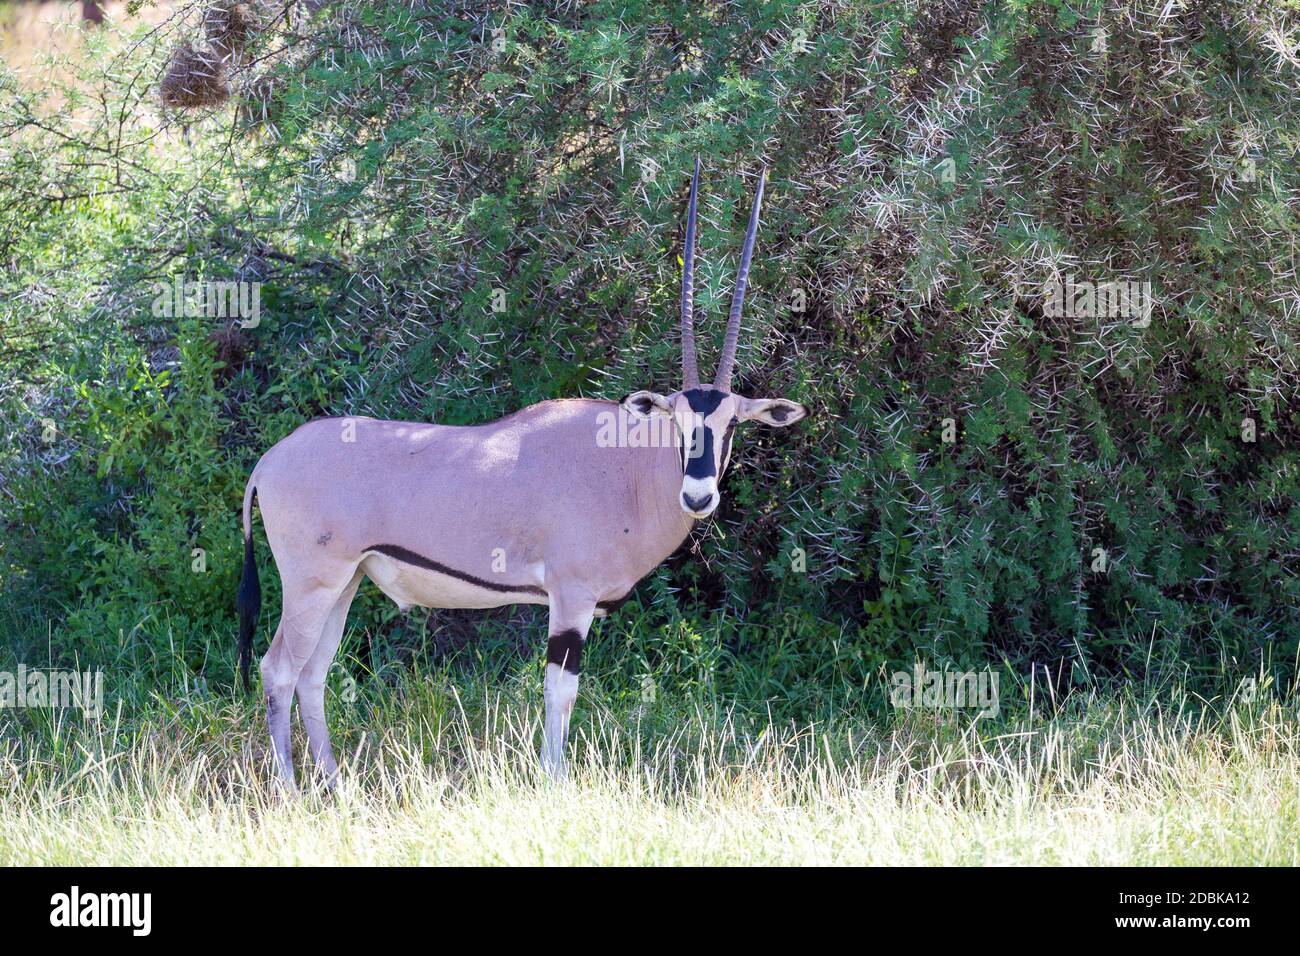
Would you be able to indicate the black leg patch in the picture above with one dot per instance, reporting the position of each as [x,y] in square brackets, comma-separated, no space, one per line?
[565,649]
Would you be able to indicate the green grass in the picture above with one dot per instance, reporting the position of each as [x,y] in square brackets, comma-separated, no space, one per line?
[438,776]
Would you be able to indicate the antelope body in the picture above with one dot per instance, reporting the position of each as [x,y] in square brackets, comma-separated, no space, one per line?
[540,507]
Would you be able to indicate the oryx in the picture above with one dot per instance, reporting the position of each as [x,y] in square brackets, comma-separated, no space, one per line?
[546,506]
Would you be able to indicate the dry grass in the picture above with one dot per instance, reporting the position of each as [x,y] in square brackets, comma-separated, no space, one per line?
[1116,783]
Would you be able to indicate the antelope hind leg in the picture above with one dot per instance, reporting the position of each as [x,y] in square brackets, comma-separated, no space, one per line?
[302,622]
[310,690]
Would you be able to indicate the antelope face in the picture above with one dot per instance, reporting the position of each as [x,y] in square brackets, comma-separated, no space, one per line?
[705,418]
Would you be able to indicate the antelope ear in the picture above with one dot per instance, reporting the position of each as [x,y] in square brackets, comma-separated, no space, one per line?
[647,404]
[777,412]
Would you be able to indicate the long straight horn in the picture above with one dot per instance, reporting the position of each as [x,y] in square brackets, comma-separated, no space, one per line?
[690,371]
[728,361]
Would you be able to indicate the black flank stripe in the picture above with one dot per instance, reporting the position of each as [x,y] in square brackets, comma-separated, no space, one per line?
[420,561]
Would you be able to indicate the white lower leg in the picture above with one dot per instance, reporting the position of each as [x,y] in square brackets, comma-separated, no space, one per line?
[570,617]
[560,693]
[279,700]
[311,685]
[311,708]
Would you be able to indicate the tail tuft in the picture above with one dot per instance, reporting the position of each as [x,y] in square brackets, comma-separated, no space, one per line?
[248,602]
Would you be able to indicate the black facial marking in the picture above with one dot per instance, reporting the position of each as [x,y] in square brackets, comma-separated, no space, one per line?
[779,412]
[726,444]
[704,401]
[420,561]
[565,650]
[701,463]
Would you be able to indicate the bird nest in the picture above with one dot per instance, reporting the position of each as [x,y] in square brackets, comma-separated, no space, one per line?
[195,78]
[230,27]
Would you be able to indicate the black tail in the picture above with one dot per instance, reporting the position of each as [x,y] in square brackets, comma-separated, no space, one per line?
[248,603]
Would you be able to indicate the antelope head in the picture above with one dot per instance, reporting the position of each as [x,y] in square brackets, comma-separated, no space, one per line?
[706,416]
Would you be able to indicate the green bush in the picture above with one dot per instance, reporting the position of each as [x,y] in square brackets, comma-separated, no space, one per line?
[931,166]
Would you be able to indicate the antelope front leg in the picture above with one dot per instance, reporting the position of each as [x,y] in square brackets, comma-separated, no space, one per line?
[569,622]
